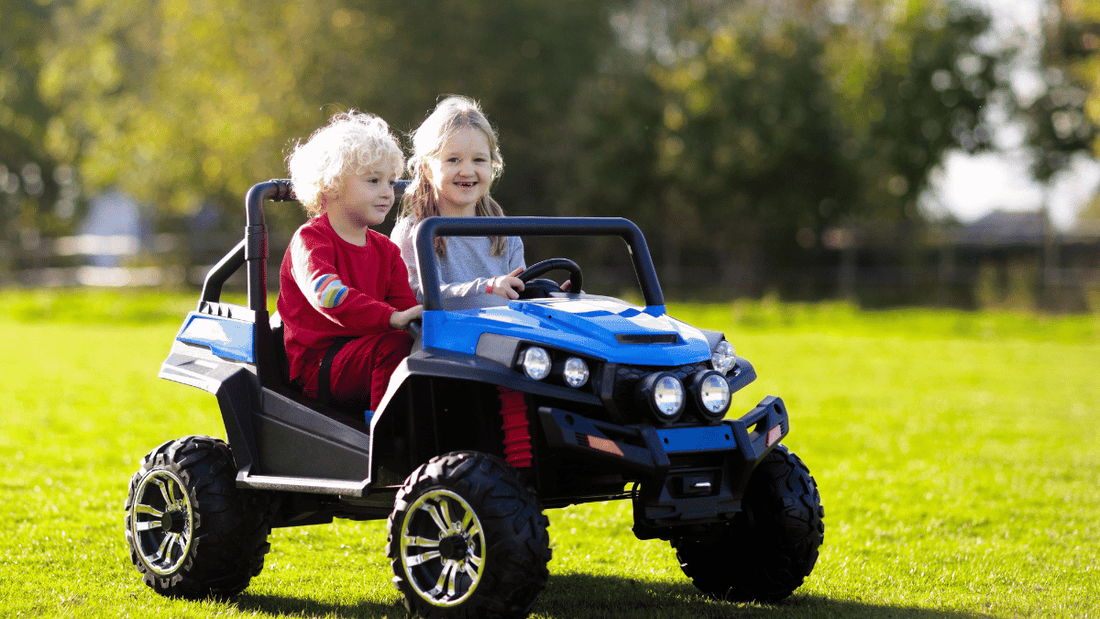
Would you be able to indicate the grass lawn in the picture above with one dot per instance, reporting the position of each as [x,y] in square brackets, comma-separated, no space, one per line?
[958,458]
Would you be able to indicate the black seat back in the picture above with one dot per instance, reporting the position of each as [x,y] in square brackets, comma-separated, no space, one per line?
[280,349]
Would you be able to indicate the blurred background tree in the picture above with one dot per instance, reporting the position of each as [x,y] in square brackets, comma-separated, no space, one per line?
[27,169]
[182,104]
[1062,121]
[754,126]
[735,133]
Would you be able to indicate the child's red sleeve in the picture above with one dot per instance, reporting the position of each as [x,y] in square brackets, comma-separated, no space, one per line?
[328,289]
[400,294]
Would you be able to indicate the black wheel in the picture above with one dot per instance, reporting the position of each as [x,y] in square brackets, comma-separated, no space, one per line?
[467,538]
[767,551]
[541,288]
[192,533]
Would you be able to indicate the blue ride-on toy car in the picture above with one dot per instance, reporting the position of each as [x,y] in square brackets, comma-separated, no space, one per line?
[502,410]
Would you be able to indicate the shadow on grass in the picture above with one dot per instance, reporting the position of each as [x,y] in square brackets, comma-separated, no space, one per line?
[585,596]
[293,606]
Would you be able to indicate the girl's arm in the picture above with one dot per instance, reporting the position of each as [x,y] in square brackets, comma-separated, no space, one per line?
[475,273]
[473,270]
[508,286]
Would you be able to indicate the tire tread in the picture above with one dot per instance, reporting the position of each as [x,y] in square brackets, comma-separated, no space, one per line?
[230,527]
[514,524]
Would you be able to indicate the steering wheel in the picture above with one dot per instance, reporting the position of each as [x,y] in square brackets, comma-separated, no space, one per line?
[541,288]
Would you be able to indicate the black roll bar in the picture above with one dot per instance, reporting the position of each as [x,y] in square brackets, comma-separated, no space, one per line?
[252,250]
[430,228]
[255,237]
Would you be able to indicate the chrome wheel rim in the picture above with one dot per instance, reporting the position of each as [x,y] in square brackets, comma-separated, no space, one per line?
[442,548]
[161,521]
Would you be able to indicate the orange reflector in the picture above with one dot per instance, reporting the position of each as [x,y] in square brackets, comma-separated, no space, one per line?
[774,434]
[604,445]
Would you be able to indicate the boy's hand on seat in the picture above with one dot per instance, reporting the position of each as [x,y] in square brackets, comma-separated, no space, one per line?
[507,286]
[401,319]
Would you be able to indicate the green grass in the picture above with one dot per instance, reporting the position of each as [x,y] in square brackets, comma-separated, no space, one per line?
[957,454]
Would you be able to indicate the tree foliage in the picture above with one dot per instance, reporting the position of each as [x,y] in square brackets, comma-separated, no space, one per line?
[748,128]
[733,132]
[26,169]
[1062,121]
[22,113]
[175,101]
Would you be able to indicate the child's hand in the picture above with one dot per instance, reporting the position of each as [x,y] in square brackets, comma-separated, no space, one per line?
[507,286]
[401,319]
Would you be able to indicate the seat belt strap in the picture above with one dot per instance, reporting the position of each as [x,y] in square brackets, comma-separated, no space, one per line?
[324,379]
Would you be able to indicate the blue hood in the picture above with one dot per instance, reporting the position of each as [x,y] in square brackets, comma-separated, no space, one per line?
[600,327]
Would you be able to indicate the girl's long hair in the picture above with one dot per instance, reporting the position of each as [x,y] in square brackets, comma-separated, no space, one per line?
[451,114]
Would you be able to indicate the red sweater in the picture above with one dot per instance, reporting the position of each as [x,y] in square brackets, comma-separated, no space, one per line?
[330,288]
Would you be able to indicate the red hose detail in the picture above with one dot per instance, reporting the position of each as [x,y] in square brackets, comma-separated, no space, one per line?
[517,440]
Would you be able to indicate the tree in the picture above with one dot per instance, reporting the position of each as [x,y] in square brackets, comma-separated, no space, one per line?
[1058,121]
[735,133]
[743,130]
[523,60]
[176,102]
[28,174]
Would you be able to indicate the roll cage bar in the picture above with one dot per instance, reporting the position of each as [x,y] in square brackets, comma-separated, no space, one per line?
[252,251]
[428,263]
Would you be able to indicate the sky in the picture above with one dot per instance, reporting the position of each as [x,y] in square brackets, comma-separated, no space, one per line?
[969,187]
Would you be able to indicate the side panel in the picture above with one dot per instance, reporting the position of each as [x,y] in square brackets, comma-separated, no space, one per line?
[271,433]
[298,441]
[234,384]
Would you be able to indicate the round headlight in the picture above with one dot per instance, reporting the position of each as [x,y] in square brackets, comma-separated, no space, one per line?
[723,357]
[575,372]
[712,394]
[664,395]
[535,362]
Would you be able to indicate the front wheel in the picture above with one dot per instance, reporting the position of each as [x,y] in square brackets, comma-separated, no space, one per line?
[467,538]
[769,549]
[192,533]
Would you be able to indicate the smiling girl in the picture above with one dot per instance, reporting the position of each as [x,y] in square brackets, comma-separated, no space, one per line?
[455,160]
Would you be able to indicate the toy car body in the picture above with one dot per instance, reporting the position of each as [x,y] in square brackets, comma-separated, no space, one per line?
[502,410]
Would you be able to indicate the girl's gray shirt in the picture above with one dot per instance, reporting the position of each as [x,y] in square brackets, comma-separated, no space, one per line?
[468,265]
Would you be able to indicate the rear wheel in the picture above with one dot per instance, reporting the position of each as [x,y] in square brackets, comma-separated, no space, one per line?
[769,549]
[467,538]
[192,533]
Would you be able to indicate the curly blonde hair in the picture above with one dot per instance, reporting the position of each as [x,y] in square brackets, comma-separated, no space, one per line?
[351,143]
[451,114]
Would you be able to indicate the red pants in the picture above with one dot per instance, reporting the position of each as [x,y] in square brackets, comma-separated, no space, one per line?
[362,369]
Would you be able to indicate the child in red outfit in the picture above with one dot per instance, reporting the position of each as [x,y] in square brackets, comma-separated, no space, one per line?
[339,278]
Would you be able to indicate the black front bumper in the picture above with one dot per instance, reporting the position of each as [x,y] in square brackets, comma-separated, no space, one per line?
[688,475]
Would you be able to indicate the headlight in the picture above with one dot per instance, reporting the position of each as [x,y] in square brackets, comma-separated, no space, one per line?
[535,362]
[663,393]
[723,357]
[712,394]
[575,372]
